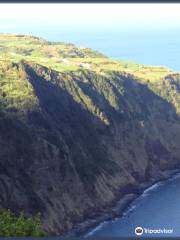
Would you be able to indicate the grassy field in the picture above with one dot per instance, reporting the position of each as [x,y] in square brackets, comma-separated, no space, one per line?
[62,57]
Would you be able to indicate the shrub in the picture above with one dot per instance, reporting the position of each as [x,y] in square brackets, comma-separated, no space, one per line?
[19,226]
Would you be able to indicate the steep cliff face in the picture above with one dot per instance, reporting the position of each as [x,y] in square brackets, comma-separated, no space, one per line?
[71,142]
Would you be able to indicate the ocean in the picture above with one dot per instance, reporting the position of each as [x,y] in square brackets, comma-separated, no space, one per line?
[149,46]
[156,211]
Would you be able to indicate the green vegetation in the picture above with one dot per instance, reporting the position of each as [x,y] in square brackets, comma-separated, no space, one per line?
[67,57]
[17,93]
[15,90]
[75,128]
[19,226]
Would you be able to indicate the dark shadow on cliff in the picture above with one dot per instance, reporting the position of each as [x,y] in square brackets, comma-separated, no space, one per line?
[83,131]
[78,134]
[61,114]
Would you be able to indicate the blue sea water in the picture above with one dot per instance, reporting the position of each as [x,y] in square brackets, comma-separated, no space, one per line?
[153,47]
[150,46]
[157,209]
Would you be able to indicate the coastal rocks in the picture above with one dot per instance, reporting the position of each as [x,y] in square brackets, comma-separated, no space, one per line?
[80,146]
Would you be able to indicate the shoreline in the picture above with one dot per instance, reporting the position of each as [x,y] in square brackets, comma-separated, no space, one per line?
[89,226]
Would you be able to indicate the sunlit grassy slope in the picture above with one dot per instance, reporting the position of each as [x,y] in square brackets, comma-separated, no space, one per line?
[17,93]
[67,57]
[78,129]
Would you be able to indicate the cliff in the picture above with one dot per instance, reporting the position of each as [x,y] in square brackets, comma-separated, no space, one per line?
[79,130]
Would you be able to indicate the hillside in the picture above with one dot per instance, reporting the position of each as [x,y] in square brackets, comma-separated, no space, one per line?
[80,130]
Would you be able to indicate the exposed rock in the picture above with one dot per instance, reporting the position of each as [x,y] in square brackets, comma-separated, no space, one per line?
[73,143]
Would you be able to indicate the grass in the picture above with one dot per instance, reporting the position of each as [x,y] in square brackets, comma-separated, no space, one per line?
[62,57]
[15,90]
[67,57]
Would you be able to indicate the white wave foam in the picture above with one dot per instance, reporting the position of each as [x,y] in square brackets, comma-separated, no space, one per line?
[174,177]
[133,206]
[95,229]
[154,186]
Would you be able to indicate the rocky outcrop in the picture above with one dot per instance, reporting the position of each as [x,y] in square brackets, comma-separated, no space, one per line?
[84,141]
